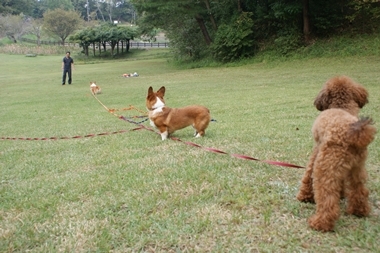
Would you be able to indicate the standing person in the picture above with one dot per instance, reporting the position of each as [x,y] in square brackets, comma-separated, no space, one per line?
[67,66]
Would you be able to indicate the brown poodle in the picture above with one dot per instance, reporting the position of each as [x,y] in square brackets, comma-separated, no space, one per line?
[336,166]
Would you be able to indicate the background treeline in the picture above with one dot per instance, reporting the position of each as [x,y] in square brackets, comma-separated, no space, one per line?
[84,21]
[223,30]
[234,29]
[103,35]
[104,10]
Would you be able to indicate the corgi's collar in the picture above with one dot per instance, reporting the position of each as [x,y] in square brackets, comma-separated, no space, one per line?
[157,107]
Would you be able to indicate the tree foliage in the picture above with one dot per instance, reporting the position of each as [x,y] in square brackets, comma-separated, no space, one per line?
[61,23]
[14,26]
[235,41]
[286,24]
[103,35]
[207,28]
[16,7]
[36,29]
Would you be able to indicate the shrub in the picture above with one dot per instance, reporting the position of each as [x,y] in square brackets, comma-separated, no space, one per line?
[288,42]
[235,41]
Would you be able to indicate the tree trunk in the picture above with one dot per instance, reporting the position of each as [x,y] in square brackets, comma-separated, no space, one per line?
[88,11]
[239,6]
[12,38]
[112,44]
[203,28]
[109,11]
[212,19]
[306,20]
[101,13]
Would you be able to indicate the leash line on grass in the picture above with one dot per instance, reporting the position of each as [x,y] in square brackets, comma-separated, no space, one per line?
[244,157]
[217,151]
[66,137]
[131,107]
[112,111]
[140,126]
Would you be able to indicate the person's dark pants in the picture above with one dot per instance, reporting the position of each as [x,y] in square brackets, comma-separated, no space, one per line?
[68,71]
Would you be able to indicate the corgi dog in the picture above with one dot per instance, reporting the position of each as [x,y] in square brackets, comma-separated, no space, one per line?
[95,89]
[167,120]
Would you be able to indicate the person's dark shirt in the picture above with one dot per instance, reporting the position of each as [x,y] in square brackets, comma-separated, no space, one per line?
[67,62]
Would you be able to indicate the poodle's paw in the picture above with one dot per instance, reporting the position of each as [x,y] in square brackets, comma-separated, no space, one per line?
[305,197]
[359,210]
[320,224]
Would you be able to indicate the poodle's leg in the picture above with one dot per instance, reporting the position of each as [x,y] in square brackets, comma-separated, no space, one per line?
[328,183]
[357,193]
[306,193]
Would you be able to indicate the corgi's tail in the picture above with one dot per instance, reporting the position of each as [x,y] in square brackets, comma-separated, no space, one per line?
[362,132]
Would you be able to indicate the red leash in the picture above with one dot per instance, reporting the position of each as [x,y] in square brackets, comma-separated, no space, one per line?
[277,163]
[244,157]
[65,137]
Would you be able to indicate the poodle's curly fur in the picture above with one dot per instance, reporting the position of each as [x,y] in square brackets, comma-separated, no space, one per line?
[336,168]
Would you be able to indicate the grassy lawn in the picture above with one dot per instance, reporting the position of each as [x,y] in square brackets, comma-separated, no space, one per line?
[132,192]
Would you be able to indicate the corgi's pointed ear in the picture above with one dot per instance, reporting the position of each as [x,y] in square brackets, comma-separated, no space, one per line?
[150,90]
[162,90]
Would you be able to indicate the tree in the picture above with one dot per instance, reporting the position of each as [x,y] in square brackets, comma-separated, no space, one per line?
[61,23]
[164,13]
[109,6]
[104,34]
[57,4]
[14,26]
[235,41]
[85,37]
[16,7]
[42,6]
[36,29]
[186,20]
[84,7]
[306,20]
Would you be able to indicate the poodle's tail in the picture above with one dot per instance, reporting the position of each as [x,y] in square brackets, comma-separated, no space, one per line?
[362,132]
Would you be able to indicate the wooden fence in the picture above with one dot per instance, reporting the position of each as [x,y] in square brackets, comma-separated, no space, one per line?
[132,44]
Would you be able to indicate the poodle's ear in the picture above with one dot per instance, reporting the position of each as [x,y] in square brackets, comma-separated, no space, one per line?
[321,102]
[361,96]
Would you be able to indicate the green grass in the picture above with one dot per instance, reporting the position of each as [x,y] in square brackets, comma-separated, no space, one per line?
[132,192]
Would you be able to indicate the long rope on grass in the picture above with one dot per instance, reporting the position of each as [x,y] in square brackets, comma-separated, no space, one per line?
[131,107]
[140,126]
[67,137]
[240,156]
[112,111]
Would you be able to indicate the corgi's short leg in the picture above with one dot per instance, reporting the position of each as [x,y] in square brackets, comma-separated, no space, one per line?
[196,134]
[164,135]
[152,123]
